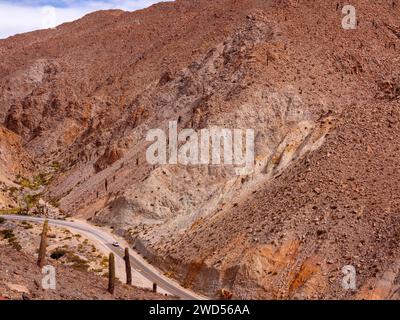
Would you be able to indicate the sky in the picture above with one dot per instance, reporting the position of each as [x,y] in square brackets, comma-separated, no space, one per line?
[27,15]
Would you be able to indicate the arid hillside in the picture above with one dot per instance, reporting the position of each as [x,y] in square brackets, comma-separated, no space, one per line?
[77,102]
[21,279]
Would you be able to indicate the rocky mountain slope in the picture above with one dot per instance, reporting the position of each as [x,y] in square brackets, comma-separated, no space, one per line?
[14,161]
[323,102]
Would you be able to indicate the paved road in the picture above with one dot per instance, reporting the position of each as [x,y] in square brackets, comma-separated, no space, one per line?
[106,239]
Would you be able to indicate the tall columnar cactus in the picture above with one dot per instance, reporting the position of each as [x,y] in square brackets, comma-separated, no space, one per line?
[111,273]
[154,287]
[128,267]
[43,245]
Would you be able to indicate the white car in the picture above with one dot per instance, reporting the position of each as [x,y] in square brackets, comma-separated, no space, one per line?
[115,244]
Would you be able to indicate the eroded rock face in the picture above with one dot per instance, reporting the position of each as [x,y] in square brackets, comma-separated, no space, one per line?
[110,156]
[14,161]
[13,158]
[323,191]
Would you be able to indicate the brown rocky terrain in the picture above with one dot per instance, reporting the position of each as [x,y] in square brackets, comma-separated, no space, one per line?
[64,246]
[81,266]
[323,102]
[21,278]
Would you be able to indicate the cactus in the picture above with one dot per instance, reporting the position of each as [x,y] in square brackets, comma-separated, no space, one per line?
[43,244]
[111,273]
[128,267]
[154,287]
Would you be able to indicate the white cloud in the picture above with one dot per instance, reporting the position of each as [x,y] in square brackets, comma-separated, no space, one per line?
[20,18]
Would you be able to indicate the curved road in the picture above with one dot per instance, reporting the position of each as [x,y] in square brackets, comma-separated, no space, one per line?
[106,239]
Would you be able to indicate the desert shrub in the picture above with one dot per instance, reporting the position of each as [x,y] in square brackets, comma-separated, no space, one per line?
[78,262]
[12,190]
[2,220]
[26,183]
[42,179]
[26,225]
[31,200]
[14,243]
[7,234]
[12,211]
[56,165]
[54,202]
[104,262]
